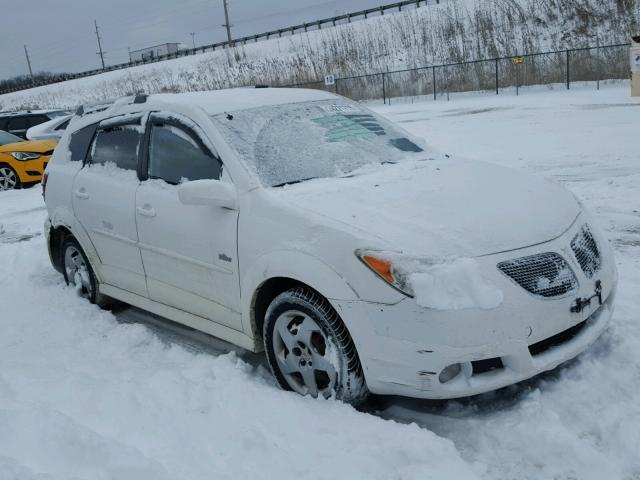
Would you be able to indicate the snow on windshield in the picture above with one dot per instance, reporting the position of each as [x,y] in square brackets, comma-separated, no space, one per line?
[299,141]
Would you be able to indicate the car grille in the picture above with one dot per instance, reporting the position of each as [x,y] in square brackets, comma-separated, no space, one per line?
[544,274]
[586,250]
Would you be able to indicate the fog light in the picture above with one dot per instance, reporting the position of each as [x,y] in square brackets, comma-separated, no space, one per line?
[449,373]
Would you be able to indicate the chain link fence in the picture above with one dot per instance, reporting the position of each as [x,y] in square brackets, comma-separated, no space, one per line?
[565,66]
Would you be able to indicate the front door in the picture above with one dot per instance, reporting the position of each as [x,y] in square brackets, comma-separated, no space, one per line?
[189,252]
[104,193]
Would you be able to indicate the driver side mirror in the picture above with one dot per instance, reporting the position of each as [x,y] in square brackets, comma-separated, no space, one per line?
[208,192]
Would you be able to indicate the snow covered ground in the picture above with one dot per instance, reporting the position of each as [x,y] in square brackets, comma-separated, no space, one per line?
[87,394]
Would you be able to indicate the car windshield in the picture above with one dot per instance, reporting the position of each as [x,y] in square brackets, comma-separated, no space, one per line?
[294,142]
[6,138]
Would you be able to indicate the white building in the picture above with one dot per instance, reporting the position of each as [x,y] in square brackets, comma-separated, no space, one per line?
[156,51]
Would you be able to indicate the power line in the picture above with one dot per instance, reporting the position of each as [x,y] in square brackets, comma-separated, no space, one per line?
[292,10]
[62,47]
[100,52]
[26,54]
[56,57]
[227,25]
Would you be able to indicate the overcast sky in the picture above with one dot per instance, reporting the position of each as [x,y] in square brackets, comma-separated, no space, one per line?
[60,35]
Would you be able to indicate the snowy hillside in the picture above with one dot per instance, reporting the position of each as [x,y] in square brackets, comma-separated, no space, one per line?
[87,394]
[453,31]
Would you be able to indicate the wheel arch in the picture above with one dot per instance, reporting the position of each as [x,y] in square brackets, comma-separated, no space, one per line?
[63,223]
[57,236]
[280,271]
[18,172]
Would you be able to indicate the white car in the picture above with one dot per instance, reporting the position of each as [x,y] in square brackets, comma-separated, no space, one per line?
[302,223]
[51,130]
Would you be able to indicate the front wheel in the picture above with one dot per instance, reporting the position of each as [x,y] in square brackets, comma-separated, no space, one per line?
[8,178]
[310,350]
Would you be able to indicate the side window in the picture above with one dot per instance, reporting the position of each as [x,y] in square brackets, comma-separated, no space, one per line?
[80,142]
[176,156]
[63,125]
[118,145]
[18,123]
[3,124]
[34,120]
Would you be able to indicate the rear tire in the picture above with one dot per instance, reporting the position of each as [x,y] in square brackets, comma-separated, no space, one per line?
[9,179]
[309,349]
[78,272]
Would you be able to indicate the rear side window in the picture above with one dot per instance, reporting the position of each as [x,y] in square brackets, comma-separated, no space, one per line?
[118,145]
[36,120]
[80,142]
[175,155]
[63,125]
[18,123]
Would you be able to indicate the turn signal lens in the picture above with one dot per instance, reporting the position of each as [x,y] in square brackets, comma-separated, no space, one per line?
[386,270]
[381,267]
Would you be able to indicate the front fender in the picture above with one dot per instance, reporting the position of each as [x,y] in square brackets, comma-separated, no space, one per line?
[298,266]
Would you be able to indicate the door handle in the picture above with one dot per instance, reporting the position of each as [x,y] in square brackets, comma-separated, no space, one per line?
[146,211]
[82,193]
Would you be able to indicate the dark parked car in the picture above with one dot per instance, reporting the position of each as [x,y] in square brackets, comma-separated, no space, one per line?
[18,123]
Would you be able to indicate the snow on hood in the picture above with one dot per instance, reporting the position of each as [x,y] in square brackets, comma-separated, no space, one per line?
[455,285]
[443,207]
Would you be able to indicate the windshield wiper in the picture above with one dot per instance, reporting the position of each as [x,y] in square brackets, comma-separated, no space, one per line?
[291,182]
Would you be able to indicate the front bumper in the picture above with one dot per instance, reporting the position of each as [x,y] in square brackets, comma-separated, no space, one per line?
[404,348]
[31,171]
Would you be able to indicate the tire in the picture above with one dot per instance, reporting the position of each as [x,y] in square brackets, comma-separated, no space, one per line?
[78,272]
[309,349]
[9,179]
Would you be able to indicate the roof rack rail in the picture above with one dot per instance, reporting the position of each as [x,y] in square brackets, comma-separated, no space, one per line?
[94,107]
[104,104]
[259,85]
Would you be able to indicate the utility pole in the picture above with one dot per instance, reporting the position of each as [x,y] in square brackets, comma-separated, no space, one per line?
[26,54]
[100,52]
[226,20]
[193,39]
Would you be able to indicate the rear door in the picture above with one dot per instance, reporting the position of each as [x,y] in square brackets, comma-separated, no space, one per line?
[189,252]
[104,193]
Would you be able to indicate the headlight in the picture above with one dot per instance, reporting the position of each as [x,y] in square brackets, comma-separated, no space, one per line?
[440,283]
[24,156]
[382,265]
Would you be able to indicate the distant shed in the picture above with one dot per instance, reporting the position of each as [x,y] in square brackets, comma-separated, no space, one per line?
[156,51]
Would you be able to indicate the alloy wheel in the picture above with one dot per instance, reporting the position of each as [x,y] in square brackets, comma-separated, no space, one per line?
[305,356]
[8,179]
[77,271]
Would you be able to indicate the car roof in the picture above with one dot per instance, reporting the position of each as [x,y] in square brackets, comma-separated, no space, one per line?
[211,102]
[235,99]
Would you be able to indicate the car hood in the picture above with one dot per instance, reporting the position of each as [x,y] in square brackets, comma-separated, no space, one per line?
[36,146]
[441,207]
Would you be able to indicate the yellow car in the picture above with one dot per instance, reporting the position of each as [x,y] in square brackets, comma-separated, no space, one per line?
[22,163]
